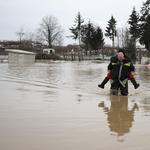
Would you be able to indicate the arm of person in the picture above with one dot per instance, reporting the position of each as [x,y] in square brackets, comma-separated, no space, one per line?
[109,67]
[132,69]
[109,75]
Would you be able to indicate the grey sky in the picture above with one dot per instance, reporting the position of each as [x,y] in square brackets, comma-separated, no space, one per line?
[28,13]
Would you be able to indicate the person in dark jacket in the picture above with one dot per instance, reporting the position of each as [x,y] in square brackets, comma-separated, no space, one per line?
[120,69]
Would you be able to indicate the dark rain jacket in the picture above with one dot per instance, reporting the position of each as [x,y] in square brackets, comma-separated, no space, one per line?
[120,70]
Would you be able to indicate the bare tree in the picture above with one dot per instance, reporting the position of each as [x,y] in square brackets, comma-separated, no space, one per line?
[29,36]
[50,30]
[120,37]
[28,41]
[123,36]
[20,33]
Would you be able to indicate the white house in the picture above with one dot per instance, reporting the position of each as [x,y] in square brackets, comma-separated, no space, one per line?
[20,56]
[49,51]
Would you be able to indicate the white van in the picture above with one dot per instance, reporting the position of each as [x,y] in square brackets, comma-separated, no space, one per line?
[49,51]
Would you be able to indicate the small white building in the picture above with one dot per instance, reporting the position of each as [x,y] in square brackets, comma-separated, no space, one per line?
[49,50]
[20,56]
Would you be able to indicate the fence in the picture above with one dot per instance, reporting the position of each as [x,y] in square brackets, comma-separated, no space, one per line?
[81,56]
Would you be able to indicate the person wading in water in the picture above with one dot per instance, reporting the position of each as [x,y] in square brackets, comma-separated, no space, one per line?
[120,69]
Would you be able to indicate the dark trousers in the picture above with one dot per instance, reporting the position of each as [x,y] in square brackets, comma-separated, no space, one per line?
[116,86]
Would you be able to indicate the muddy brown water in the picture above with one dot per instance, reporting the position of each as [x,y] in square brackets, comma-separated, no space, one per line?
[58,106]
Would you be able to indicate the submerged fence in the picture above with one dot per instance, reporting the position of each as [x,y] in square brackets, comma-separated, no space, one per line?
[82,56]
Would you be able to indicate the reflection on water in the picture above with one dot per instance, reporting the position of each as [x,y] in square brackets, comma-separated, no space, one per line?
[54,105]
[119,117]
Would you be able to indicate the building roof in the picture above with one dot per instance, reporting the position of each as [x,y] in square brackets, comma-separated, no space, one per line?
[19,51]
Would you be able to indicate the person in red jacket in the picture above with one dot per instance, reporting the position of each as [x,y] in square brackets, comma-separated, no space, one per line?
[121,58]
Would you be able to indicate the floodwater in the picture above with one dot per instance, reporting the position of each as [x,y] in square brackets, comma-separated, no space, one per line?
[58,106]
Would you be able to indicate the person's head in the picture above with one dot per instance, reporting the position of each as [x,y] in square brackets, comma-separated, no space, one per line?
[120,56]
[121,50]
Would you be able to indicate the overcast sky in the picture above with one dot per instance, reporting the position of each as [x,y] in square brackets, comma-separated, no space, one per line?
[28,13]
